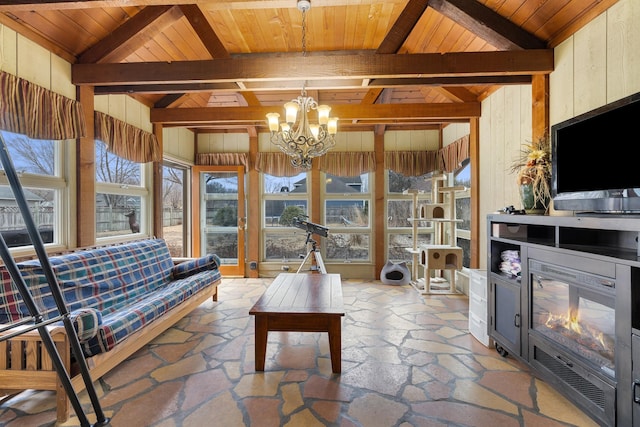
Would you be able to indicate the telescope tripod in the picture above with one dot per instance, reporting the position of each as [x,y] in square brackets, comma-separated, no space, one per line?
[315,253]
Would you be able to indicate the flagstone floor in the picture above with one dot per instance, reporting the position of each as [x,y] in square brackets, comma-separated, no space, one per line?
[407,360]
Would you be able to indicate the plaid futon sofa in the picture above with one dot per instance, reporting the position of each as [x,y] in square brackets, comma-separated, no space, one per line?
[111,292]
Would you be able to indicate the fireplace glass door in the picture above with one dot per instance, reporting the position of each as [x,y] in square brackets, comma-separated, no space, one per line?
[575,311]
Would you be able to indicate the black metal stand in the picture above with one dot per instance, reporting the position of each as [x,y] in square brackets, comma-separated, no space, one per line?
[36,317]
[315,252]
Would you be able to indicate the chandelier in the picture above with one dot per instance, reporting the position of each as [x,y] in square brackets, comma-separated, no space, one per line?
[296,136]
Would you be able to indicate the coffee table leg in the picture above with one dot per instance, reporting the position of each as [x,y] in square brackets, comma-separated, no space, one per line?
[335,343]
[261,341]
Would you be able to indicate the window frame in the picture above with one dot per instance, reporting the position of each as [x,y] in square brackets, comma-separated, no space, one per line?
[280,231]
[142,191]
[352,230]
[60,183]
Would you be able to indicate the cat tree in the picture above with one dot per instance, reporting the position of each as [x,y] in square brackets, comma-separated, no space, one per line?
[443,255]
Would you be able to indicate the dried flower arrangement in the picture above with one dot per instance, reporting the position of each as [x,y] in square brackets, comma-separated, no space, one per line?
[533,167]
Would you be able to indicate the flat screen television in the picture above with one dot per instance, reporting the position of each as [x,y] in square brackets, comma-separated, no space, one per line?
[596,160]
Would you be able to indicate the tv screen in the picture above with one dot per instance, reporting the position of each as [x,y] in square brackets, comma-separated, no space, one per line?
[595,159]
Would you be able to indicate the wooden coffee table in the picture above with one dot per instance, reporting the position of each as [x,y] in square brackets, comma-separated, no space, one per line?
[301,303]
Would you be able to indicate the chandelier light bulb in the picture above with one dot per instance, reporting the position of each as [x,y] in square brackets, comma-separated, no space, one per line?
[332,126]
[291,109]
[272,119]
[315,130]
[285,127]
[323,114]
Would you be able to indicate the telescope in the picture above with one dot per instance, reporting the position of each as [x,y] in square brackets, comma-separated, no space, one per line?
[310,227]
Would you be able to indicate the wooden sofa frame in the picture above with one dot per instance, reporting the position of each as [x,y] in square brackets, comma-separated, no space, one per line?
[30,367]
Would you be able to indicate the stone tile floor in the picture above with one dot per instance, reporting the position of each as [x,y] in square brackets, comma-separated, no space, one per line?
[408,360]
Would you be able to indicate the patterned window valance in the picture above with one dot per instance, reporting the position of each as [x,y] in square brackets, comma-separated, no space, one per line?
[411,163]
[417,163]
[347,163]
[222,159]
[125,140]
[38,113]
[454,154]
[276,164]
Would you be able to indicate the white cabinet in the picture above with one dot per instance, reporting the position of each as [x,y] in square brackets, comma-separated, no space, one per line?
[478,313]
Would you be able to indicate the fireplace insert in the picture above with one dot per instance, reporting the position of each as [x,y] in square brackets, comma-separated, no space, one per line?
[572,333]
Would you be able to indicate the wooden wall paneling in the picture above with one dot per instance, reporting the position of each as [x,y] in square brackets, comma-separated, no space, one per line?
[497,150]
[590,77]
[486,203]
[61,77]
[34,62]
[623,39]
[477,225]
[403,141]
[133,113]
[560,87]
[117,107]
[185,142]
[9,61]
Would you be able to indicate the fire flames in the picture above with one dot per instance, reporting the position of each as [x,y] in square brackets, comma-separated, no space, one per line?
[571,323]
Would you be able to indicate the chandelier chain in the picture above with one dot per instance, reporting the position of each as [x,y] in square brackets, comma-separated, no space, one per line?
[296,136]
[304,33]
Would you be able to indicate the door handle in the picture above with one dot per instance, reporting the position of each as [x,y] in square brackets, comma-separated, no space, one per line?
[636,398]
[516,320]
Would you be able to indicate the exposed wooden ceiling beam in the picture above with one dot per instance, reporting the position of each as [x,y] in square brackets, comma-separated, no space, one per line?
[27,5]
[499,63]
[167,100]
[456,93]
[231,115]
[497,30]
[207,35]
[375,85]
[403,26]
[131,35]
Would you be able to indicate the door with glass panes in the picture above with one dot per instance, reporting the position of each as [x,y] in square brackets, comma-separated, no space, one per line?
[219,217]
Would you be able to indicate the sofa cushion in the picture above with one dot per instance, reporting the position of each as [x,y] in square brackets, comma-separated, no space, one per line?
[118,325]
[105,279]
[193,266]
[110,292]
[86,322]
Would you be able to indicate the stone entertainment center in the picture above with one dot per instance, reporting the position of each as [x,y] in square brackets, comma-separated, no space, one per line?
[564,297]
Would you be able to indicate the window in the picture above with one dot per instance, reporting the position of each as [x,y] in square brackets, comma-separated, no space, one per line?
[347,210]
[462,177]
[122,195]
[284,198]
[39,163]
[399,212]
[175,214]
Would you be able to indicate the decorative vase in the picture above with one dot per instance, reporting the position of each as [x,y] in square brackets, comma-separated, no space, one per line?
[530,205]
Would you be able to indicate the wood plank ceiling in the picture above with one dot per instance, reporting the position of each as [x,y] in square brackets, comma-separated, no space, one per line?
[220,65]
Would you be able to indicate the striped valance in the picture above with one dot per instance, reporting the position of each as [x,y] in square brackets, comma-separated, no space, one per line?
[125,140]
[411,163]
[454,154]
[276,164]
[38,113]
[222,159]
[417,163]
[347,163]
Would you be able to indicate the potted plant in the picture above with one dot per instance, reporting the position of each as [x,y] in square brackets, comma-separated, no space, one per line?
[533,168]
